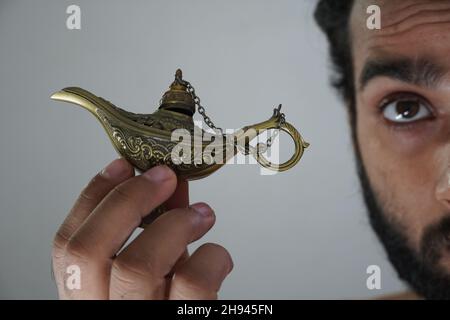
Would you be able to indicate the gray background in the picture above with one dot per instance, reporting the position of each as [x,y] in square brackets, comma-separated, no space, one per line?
[302,234]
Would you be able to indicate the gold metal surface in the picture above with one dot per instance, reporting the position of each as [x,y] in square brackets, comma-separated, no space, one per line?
[145,140]
[177,98]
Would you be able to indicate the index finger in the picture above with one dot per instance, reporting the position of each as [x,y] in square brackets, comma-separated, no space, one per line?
[115,173]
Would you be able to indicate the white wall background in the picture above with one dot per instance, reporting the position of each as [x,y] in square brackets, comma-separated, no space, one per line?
[302,234]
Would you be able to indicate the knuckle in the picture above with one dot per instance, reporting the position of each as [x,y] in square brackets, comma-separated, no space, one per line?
[187,280]
[77,249]
[186,283]
[121,193]
[90,193]
[85,195]
[60,240]
[125,270]
[59,245]
[131,281]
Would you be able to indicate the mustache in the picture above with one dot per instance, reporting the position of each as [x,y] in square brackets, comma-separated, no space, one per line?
[435,241]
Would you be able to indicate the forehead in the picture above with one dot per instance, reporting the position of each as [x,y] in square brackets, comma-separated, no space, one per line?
[410,28]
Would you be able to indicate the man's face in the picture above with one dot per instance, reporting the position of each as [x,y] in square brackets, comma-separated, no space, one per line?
[402,83]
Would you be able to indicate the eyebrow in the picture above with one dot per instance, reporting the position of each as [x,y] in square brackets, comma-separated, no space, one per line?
[421,72]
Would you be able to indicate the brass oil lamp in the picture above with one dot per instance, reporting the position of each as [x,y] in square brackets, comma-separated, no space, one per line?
[146,140]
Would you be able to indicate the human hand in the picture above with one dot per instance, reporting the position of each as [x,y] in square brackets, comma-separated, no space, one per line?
[156,264]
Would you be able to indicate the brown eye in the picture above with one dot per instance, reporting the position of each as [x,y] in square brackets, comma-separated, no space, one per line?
[406,110]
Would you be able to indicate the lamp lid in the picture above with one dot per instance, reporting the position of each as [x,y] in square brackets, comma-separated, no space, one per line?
[178,98]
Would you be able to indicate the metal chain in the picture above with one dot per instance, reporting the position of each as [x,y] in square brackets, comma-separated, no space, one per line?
[200,108]
[282,121]
[261,147]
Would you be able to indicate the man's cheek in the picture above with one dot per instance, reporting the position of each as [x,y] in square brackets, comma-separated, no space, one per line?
[403,184]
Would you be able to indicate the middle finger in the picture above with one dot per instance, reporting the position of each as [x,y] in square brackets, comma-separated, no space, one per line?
[140,271]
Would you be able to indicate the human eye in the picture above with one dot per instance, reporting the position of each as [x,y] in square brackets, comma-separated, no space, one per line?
[405,108]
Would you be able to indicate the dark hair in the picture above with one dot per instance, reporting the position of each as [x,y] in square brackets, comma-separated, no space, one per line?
[333,17]
[420,271]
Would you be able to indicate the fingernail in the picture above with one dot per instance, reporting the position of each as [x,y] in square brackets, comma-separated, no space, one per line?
[158,174]
[202,209]
[115,169]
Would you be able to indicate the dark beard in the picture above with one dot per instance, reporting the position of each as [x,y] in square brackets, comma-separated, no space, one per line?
[419,269]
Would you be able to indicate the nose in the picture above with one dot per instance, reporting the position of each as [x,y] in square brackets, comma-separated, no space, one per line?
[443,188]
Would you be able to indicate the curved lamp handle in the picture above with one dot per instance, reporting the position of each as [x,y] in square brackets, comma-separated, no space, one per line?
[300,146]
